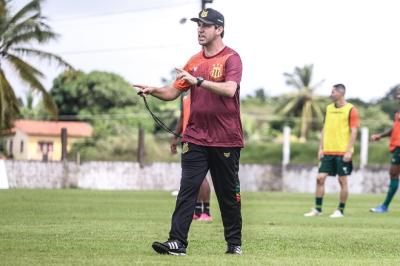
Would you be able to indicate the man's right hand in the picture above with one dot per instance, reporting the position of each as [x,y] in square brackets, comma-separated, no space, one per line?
[173,144]
[143,90]
[320,154]
[376,137]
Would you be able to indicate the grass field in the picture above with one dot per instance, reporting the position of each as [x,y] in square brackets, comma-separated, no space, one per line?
[79,227]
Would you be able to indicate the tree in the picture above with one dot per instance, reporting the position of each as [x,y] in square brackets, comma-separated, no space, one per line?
[18,32]
[392,93]
[95,93]
[302,103]
[260,94]
[389,103]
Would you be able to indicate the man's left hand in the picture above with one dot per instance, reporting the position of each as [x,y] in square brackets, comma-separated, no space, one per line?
[182,74]
[347,156]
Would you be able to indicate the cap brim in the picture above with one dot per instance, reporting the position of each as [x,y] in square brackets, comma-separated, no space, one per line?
[202,20]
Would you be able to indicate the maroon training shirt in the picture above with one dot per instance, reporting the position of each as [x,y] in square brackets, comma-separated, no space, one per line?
[214,119]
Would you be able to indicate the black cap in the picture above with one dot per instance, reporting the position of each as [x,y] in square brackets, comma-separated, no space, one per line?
[210,16]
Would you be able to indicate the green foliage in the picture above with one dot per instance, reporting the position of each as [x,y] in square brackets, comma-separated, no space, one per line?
[390,107]
[303,103]
[124,147]
[392,93]
[83,227]
[95,93]
[263,152]
[115,111]
[374,119]
[18,32]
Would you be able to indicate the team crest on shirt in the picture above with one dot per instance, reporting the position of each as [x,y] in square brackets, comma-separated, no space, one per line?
[204,14]
[216,71]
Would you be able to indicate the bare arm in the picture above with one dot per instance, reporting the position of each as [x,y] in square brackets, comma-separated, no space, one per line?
[227,88]
[166,93]
[321,145]
[377,137]
[350,147]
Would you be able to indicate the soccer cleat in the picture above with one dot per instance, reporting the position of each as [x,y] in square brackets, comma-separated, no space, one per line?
[205,218]
[196,217]
[336,214]
[313,213]
[379,209]
[171,247]
[235,250]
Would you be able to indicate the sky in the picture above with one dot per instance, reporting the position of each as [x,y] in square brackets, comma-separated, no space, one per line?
[351,42]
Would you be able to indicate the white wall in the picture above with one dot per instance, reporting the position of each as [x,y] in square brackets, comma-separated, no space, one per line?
[166,176]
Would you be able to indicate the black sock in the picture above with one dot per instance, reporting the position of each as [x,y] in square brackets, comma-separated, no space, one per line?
[206,206]
[318,204]
[198,209]
[341,207]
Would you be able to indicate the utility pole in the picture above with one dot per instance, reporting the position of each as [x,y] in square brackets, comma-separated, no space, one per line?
[140,150]
[204,3]
[64,143]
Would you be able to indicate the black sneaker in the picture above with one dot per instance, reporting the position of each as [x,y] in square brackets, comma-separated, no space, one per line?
[236,250]
[171,247]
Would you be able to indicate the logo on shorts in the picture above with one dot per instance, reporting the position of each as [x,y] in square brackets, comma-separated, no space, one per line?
[216,71]
[227,154]
[345,169]
[185,148]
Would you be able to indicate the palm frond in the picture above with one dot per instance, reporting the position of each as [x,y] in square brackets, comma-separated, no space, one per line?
[36,35]
[8,102]
[23,67]
[306,75]
[305,119]
[287,108]
[28,24]
[317,111]
[32,6]
[292,81]
[29,75]
[42,55]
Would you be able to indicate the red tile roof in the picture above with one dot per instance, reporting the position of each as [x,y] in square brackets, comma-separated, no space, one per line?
[53,128]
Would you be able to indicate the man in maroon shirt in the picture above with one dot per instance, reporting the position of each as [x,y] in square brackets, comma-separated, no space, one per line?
[213,137]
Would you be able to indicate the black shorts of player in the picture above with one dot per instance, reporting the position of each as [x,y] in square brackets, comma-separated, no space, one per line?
[223,164]
[334,165]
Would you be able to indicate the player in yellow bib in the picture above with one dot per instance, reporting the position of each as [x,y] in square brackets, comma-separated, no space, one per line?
[336,148]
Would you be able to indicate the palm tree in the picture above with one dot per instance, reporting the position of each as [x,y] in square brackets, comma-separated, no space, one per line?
[302,103]
[19,32]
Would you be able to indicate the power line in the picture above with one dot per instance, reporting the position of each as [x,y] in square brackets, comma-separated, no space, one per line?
[137,10]
[112,50]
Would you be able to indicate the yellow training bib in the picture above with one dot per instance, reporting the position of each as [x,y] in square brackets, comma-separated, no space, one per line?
[337,128]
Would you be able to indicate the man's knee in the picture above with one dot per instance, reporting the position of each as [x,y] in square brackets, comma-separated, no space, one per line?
[394,171]
[321,179]
[343,181]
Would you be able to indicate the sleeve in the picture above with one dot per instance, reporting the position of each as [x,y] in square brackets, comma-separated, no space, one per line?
[181,84]
[233,69]
[354,118]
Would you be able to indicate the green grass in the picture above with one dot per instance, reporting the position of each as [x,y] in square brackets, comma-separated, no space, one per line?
[79,227]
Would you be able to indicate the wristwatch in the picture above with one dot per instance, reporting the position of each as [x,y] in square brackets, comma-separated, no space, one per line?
[199,81]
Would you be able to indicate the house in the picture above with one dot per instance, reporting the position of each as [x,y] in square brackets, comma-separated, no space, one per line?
[41,140]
